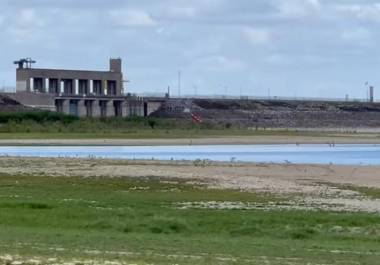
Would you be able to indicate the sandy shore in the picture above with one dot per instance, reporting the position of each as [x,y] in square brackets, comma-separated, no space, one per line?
[233,140]
[322,186]
[256,176]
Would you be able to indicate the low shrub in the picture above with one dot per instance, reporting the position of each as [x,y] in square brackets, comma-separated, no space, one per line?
[37,116]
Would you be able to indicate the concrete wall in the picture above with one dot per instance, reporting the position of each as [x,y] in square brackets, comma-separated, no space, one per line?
[152,106]
[40,101]
[88,106]
[134,107]
[95,109]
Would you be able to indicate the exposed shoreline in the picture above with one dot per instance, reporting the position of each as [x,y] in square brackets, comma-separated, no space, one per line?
[330,187]
[98,199]
[231,140]
[364,175]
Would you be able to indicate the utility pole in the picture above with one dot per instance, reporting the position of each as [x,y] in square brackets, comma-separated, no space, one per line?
[179,83]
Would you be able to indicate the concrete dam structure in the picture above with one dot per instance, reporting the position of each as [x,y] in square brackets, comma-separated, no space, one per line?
[86,93]
[78,92]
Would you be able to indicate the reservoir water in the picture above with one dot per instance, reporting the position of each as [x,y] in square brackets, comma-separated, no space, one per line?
[345,154]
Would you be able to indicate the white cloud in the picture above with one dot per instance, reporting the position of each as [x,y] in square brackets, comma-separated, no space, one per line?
[182,11]
[219,63]
[132,18]
[369,12]
[256,36]
[295,60]
[359,34]
[26,26]
[298,8]
[27,18]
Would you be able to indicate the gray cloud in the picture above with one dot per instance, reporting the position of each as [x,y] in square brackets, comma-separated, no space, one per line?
[303,47]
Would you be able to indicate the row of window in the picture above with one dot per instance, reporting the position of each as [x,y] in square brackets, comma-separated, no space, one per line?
[53,86]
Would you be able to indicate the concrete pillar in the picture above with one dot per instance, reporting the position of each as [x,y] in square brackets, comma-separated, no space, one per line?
[95,108]
[31,84]
[47,88]
[62,87]
[105,87]
[91,86]
[76,87]
[66,106]
[82,111]
[124,109]
[127,108]
[110,109]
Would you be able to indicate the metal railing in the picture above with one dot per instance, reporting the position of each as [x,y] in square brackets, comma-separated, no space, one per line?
[246,97]
[7,89]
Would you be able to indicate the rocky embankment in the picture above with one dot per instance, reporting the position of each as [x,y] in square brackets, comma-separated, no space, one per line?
[277,113]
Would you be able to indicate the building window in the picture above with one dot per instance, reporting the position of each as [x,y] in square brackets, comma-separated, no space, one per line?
[68,86]
[53,86]
[111,84]
[38,84]
[98,89]
[83,87]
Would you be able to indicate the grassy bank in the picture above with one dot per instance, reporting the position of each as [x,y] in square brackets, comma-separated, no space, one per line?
[145,222]
[51,125]
[57,125]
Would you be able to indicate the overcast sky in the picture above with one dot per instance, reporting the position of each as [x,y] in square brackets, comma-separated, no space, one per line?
[317,48]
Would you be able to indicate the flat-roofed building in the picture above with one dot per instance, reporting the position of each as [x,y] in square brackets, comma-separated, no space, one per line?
[77,92]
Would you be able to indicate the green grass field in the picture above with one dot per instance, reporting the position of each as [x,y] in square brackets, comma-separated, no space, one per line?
[51,125]
[140,221]
[159,134]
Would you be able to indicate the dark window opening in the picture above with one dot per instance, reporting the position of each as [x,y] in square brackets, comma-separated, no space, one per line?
[98,89]
[68,87]
[118,108]
[83,87]
[38,84]
[145,109]
[111,85]
[53,86]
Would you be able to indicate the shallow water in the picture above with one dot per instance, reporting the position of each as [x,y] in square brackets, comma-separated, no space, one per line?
[348,154]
